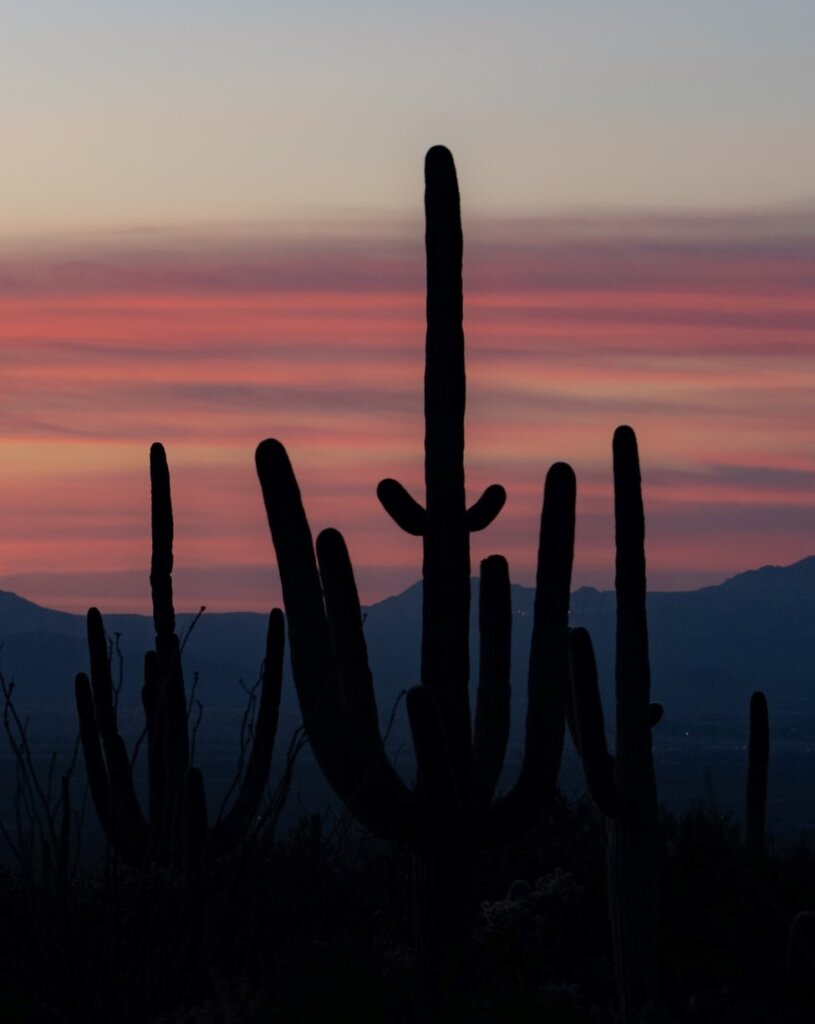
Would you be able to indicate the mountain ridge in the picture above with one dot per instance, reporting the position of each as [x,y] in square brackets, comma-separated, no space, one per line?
[710,647]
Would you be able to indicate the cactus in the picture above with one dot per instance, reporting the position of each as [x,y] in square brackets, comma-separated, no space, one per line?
[758,754]
[175,830]
[624,786]
[451,812]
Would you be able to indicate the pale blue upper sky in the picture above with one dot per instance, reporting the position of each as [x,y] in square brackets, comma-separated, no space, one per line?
[180,112]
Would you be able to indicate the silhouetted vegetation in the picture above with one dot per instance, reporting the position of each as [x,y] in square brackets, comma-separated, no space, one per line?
[175,830]
[595,911]
[321,924]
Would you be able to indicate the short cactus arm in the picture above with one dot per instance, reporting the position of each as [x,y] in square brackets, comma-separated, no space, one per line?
[404,510]
[548,667]
[484,511]
[492,715]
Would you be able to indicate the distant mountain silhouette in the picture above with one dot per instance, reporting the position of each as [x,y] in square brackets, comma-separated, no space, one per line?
[710,648]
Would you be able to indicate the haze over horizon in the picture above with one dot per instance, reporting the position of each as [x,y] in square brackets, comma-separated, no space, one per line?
[212,233]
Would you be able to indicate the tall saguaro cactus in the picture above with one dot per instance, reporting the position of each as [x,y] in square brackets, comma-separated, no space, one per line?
[624,786]
[175,828]
[451,812]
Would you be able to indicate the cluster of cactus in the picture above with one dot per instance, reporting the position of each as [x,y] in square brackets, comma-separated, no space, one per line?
[452,811]
[624,786]
[175,830]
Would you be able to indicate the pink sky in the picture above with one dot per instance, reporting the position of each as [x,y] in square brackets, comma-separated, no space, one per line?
[699,332]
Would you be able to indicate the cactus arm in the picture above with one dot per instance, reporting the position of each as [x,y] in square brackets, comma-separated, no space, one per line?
[122,818]
[548,677]
[492,715]
[379,797]
[598,764]
[373,796]
[404,510]
[758,753]
[173,700]
[227,832]
[635,771]
[633,850]
[124,802]
[350,650]
[102,682]
[92,751]
[161,523]
[309,636]
[484,511]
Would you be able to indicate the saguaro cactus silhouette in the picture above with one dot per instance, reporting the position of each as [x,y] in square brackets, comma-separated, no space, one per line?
[624,786]
[451,812]
[175,829]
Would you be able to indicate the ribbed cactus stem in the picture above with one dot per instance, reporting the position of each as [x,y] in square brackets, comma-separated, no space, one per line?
[445,523]
[758,755]
[450,814]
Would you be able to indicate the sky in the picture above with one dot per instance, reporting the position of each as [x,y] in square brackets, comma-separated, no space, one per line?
[211,232]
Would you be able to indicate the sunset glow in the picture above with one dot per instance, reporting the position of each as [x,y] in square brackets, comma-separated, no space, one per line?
[212,233]
[713,364]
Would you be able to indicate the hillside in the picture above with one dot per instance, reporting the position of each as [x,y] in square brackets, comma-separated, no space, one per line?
[710,648]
